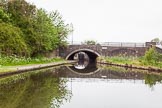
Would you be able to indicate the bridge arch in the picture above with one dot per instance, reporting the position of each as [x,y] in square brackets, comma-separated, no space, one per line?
[91,53]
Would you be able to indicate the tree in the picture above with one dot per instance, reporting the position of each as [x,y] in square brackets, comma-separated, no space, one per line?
[157,40]
[11,41]
[45,32]
[62,29]
[50,31]
[151,56]
[41,31]
[90,42]
[22,15]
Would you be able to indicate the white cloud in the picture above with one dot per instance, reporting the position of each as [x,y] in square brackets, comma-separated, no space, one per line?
[110,20]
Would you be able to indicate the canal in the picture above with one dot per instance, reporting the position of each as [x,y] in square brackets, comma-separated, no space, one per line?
[75,86]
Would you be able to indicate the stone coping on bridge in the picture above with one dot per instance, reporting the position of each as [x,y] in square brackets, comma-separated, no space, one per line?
[150,69]
[117,44]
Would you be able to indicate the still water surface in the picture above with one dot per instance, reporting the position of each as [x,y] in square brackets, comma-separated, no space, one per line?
[93,87]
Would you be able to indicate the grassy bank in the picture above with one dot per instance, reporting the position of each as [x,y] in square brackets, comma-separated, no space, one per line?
[14,61]
[137,61]
[10,63]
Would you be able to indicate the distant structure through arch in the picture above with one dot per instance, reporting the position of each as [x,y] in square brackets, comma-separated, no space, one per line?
[91,54]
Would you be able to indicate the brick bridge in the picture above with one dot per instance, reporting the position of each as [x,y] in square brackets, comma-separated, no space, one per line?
[106,49]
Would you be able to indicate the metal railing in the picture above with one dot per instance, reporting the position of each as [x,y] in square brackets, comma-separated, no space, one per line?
[123,44]
[112,44]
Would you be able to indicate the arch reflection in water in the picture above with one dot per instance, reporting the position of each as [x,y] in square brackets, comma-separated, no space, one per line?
[91,68]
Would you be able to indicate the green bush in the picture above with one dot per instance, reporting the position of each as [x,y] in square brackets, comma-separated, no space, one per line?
[160,57]
[151,56]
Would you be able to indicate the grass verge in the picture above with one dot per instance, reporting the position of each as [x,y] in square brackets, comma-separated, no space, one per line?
[137,61]
[11,63]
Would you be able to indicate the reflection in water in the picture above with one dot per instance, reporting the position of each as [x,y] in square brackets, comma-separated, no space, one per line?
[111,72]
[33,90]
[92,87]
[90,68]
[113,87]
[152,79]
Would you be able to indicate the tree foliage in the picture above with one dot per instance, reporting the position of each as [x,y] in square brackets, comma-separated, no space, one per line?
[11,41]
[152,56]
[42,32]
[4,17]
[157,40]
[62,29]
[90,42]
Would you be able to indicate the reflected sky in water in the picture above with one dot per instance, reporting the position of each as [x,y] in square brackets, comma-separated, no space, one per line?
[95,87]
[114,87]
[114,93]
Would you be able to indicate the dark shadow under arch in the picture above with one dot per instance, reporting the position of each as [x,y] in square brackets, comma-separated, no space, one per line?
[91,53]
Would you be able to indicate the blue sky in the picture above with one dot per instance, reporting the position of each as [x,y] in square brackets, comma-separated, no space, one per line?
[109,20]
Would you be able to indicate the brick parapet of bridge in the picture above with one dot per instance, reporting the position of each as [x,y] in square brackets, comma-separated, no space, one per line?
[105,50]
[127,51]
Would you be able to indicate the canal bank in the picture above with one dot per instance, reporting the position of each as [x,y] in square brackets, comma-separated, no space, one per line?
[20,69]
[149,68]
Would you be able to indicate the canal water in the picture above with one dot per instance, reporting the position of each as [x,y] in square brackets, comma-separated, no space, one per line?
[95,86]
